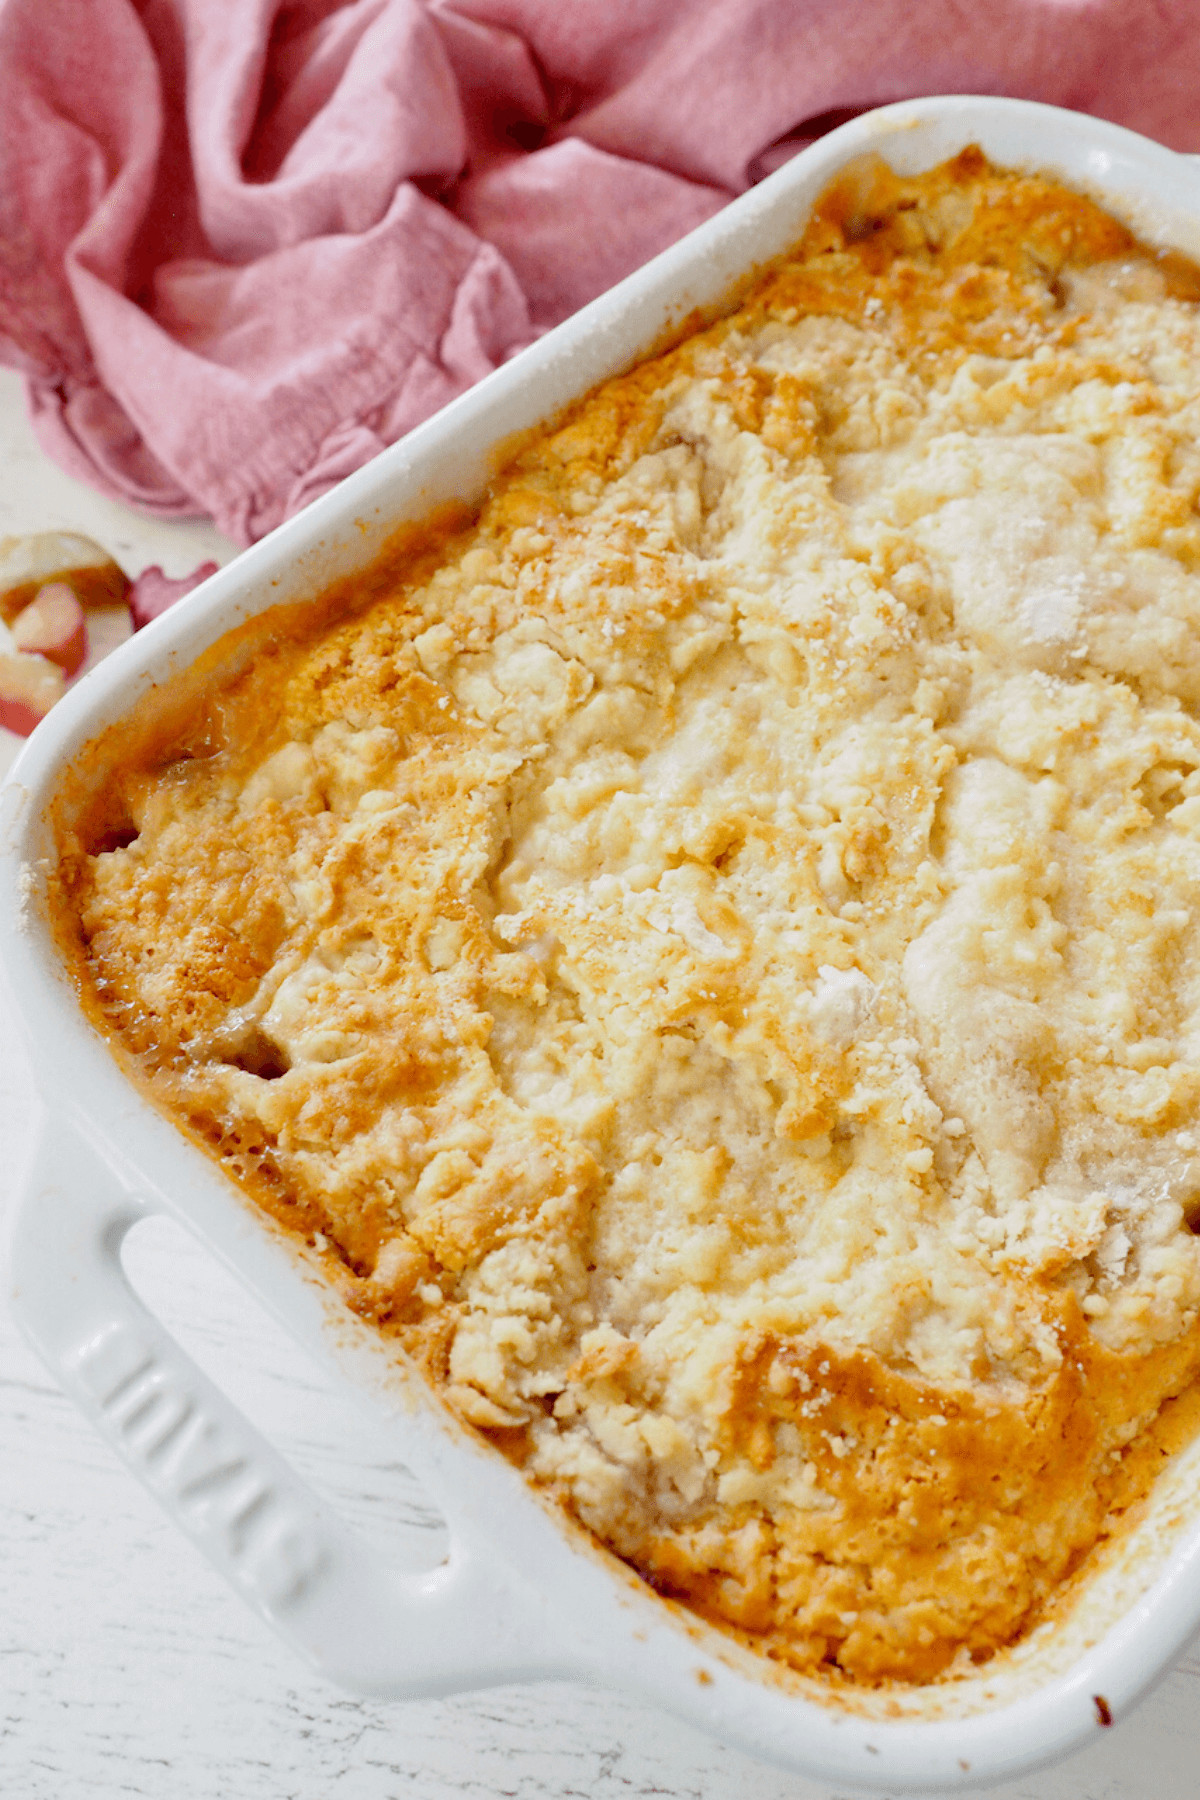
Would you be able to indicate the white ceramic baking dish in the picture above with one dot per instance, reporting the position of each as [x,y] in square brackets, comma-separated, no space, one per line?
[521,1595]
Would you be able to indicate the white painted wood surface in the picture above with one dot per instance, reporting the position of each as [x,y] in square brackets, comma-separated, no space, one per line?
[127,1668]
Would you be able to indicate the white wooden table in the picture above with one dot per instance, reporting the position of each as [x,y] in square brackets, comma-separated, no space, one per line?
[127,1668]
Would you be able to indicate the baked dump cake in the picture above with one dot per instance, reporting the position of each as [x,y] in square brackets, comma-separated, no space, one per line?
[707,951]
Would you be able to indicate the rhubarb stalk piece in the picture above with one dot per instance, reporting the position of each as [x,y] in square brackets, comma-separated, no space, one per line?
[29,687]
[30,563]
[53,625]
[47,581]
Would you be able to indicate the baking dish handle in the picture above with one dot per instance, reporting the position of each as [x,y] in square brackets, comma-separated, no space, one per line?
[367,1625]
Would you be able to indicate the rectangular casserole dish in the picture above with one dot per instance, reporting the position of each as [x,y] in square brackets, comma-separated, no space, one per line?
[488,1613]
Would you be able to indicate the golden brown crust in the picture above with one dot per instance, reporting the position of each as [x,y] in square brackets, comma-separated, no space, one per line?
[709,946]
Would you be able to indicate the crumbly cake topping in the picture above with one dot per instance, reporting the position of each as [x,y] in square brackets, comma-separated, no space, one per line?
[716,955]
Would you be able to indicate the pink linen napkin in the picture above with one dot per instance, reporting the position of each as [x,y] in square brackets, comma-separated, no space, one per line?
[153,592]
[245,244]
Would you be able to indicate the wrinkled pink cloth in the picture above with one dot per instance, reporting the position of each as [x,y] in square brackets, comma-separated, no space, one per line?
[153,592]
[245,244]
